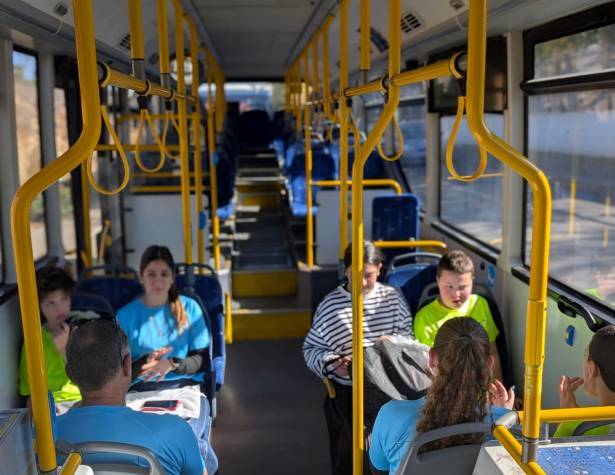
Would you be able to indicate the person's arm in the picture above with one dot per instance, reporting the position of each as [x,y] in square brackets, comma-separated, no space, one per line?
[403,320]
[316,350]
[194,363]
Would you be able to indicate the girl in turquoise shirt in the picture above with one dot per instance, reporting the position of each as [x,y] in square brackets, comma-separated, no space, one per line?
[463,390]
[167,332]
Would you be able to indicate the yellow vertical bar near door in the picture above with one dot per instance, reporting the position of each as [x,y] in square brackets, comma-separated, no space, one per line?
[357,235]
[86,253]
[213,172]
[163,37]
[135,20]
[22,238]
[309,225]
[364,22]
[541,225]
[343,106]
[183,136]
[196,133]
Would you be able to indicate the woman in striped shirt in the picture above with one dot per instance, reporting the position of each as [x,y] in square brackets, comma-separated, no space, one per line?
[327,349]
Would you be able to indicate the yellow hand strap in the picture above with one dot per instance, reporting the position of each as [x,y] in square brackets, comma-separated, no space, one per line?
[120,150]
[169,118]
[145,117]
[482,165]
[397,155]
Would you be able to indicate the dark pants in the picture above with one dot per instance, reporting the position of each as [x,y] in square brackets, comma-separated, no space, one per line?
[338,414]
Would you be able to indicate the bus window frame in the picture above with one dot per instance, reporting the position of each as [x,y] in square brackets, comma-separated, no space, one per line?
[22,50]
[594,18]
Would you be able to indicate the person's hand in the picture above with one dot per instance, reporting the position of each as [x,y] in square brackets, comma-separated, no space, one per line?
[60,337]
[156,369]
[342,367]
[567,387]
[157,354]
[500,397]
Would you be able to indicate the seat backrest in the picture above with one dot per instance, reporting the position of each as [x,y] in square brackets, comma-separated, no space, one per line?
[395,218]
[586,426]
[440,462]
[255,129]
[118,291]
[81,301]
[414,285]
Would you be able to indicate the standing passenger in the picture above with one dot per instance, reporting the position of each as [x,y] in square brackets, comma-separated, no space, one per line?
[328,346]
[55,288]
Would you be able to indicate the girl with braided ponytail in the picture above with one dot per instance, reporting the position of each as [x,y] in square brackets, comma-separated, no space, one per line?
[463,390]
[167,333]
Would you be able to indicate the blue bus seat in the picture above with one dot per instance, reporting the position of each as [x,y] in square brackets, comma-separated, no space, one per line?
[395,218]
[208,289]
[118,285]
[374,167]
[323,168]
[83,302]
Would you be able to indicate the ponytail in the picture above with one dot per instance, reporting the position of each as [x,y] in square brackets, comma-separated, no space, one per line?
[177,309]
[459,392]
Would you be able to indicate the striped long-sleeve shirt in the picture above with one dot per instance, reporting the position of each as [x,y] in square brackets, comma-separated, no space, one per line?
[385,312]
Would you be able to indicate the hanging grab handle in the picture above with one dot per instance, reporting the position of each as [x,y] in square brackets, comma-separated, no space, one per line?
[120,150]
[169,118]
[145,117]
[397,155]
[482,165]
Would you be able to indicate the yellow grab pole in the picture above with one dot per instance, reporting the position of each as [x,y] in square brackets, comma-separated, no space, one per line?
[309,225]
[315,75]
[513,447]
[228,311]
[163,42]
[364,22]
[137,52]
[541,199]
[86,253]
[196,132]
[343,105]
[183,136]
[326,89]
[372,183]
[357,235]
[20,226]
[213,172]
[409,244]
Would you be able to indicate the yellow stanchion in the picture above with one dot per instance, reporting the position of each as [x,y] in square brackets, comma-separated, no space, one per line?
[71,464]
[357,235]
[309,227]
[228,312]
[344,109]
[21,236]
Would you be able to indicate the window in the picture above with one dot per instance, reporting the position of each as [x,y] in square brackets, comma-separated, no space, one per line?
[69,238]
[474,208]
[570,137]
[371,116]
[411,118]
[29,141]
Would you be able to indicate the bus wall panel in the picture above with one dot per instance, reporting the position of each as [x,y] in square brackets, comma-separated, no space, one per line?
[10,348]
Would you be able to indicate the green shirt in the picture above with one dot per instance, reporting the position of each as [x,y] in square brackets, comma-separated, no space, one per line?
[62,388]
[566,429]
[431,317]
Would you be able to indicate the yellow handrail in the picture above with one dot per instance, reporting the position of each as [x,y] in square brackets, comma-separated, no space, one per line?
[183,136]
[343,117]
[228,312]
[104,241]
[357,235]
[400,152]
[541,199]
[20,226]
[365,38]
[309,227]
[370,183]
[196,134]
[482,164]
[71,464]
[123,159]
[213,171]
[131,147]
[326,89]
[410,244]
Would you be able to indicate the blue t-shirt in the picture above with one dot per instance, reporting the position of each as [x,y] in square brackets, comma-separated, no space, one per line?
[394,431]
[151,328]
[169,437]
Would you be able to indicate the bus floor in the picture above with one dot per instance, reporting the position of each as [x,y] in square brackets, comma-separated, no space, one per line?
[270,417]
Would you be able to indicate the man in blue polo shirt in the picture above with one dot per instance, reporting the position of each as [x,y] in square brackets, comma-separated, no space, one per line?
[98,361]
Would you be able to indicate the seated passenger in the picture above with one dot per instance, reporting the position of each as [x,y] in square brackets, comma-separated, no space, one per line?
[598,382]
[167,332]
[327,348]
[462,391]
[55,288]
[455,276]
[98,360]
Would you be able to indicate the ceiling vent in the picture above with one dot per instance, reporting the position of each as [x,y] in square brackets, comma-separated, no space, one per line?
[124,42]
[410,22]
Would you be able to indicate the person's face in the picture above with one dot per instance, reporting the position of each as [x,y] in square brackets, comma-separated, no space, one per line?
[370,276]
[157,278]
[455,289]
[55,307]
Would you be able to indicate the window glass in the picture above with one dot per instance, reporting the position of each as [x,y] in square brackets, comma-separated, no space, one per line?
[571,139]
[586,52]
[29,141]
[69,238]
[411,117]
[371,116]
[476,207]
